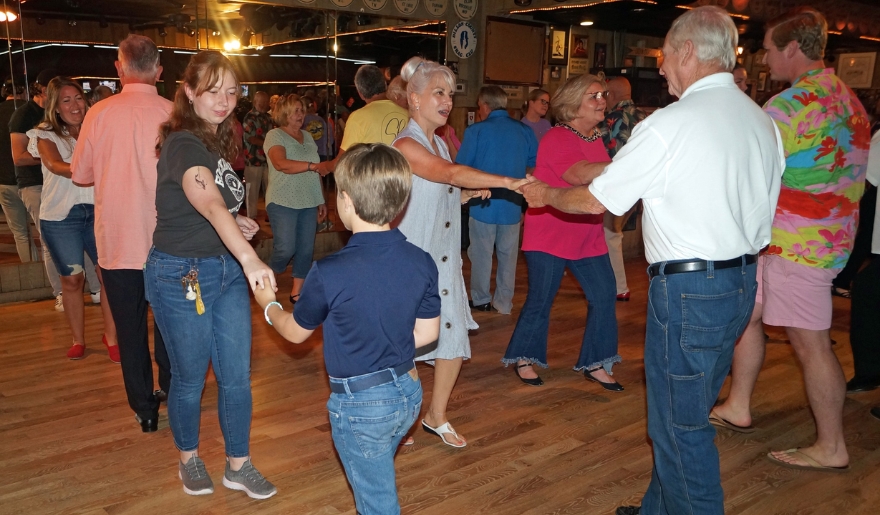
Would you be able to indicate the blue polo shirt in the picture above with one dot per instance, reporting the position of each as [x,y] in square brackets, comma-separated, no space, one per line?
[368,296]
[502,146]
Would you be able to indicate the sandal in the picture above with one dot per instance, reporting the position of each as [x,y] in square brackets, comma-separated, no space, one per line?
[441,430]
[535,381]
[294,298]
[841,292]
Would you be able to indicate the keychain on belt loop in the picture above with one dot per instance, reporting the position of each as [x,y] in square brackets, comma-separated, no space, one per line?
[190,283]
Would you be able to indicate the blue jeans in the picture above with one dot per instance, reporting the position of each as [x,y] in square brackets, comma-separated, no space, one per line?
[67,240]
[367,427]
[293,233]
[693,322]
[599,344]
[221,336]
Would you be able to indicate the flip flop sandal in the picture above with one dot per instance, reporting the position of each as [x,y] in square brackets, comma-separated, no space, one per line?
[441,430]
[841,292]
[717,421]
[811,463]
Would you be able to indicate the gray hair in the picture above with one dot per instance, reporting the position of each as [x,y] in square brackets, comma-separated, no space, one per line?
[418,73]
[369,81]
[712,32]
[139,56]
[494,97]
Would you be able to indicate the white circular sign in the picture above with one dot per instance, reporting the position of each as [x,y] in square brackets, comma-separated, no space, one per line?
[436,8]
[464,39]
[342,3]
[465,9]
[306,1]
[406,6]
[375,5]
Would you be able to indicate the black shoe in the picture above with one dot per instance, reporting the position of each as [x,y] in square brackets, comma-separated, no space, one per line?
[531,382]
[148,425]
[294,298]
[161,396]
[481,307]
[611,387]
[628,510]
[857,385]
[875,412]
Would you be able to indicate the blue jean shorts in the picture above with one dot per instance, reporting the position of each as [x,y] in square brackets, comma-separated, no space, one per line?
[67,239]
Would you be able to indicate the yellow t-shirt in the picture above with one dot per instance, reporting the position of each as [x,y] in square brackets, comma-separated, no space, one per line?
[377,122]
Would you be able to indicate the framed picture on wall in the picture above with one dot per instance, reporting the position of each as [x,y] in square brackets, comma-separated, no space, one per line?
[599,55]
[857,70]
[558,46]
[762,81]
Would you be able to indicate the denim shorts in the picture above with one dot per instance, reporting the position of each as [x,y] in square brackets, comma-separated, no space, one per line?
[67,239]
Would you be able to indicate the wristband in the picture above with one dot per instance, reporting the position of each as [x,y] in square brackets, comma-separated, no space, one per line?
[266,310]
[309,167]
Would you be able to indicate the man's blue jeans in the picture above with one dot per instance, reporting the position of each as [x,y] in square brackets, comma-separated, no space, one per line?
[221,336]
[367,427]
[594,274]
[694,320]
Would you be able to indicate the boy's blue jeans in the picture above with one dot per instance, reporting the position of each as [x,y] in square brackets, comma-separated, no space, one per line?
[220,337]
[693,322]
[367,427]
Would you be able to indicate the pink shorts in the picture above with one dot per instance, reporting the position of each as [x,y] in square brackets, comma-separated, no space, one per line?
[794,295]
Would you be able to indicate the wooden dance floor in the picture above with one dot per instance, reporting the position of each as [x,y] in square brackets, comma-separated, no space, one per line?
[69,442]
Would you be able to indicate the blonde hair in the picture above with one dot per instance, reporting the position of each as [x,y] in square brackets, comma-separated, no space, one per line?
[534,95]
[568,98]
[396,92]
[284,108]
[378,180]
[805,25]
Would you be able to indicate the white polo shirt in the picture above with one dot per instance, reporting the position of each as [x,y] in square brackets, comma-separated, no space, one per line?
[708,168]
[873,176]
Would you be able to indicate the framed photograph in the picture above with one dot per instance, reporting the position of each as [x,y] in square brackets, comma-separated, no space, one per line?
[762,81]
[599,55]
[857,70]
[579,46]
[555,72]
[558,46]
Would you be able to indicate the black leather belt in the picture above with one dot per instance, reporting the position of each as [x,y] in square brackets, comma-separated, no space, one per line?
[698,265]
[358,384]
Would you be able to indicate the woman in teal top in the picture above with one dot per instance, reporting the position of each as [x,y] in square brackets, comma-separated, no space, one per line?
[294,200]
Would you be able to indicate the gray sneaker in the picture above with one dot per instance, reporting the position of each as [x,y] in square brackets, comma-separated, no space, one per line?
[195,477]
[249,480]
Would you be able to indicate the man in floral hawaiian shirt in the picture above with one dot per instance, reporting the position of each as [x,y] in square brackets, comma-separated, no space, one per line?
[619,123]
[826,134]
[256,173]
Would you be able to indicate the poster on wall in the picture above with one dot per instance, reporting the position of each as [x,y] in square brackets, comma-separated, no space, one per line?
[464,39]
[857,70]
[558,46]
[579,54]
[599,54]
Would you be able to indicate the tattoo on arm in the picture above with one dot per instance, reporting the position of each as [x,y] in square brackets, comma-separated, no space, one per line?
[201,182]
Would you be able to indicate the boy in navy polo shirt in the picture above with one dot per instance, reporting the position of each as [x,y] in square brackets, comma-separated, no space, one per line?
[378,301]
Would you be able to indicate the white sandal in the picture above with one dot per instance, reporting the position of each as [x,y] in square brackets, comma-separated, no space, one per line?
[441,430]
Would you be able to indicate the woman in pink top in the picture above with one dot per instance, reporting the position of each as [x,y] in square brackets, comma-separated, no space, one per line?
[553,240]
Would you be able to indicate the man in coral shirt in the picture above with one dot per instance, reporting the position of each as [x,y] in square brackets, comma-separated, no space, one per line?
[826,136]
[116,151]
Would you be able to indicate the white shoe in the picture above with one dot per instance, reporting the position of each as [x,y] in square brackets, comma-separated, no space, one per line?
[96,297]
[59,305]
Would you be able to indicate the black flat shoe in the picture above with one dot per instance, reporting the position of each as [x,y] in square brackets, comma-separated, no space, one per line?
[531,382]
[294,298]
[611,387]
[161,396]
[480,307]
[857,385]
[875,412]
[148,425]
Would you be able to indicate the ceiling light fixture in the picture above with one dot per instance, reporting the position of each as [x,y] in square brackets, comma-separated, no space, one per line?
[586,23]
[7,16]
[232,45]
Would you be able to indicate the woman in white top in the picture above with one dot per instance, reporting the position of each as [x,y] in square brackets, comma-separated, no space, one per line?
[67,210]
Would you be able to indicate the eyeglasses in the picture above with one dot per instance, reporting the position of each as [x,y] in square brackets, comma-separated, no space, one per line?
[599,95]
[544,102]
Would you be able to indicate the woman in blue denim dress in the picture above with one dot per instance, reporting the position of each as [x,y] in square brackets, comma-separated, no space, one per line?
[198,272]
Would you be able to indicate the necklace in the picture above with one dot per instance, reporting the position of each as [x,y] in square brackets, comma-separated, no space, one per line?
[594,134]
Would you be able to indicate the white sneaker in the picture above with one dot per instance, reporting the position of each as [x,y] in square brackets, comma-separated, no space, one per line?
[59,306]
[96,298]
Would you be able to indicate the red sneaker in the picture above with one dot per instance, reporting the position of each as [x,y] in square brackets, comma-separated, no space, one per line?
[76,351]
[113,351]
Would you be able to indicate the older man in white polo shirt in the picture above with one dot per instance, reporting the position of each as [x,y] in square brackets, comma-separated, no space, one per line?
[708,168]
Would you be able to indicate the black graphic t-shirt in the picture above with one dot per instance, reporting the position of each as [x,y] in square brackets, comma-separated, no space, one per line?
[180,229]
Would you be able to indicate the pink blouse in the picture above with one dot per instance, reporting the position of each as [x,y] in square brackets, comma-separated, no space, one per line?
[549,230]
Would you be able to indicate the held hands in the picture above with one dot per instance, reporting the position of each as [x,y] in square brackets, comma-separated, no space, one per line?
[259,275]
[322,212]
[324,168]
[535,192]
[264,295]
[517,185]
[248,227]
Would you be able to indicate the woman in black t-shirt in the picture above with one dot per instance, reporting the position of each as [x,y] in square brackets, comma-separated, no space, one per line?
[198,272]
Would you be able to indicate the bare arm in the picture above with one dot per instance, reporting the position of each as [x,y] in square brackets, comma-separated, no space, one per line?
[432,168]
[426,331]
[202,193]
[51,158]
[578,199]
[279,160]
[20,154]
[282,321]
[583,172]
